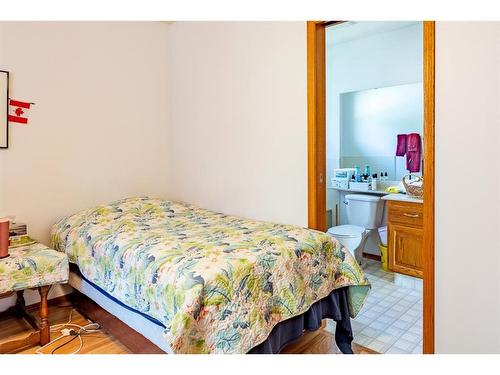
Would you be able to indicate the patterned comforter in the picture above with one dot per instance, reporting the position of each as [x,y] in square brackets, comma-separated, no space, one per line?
[218,283]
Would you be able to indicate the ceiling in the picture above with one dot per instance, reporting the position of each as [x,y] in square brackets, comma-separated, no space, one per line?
[351,30]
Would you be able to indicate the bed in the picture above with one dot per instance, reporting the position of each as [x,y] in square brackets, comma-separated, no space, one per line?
[195,281]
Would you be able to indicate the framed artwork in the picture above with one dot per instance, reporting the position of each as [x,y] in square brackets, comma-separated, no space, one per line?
[4,109]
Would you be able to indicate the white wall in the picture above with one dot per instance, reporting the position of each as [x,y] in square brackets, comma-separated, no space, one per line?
[239,144]
[467,207]
[98,131]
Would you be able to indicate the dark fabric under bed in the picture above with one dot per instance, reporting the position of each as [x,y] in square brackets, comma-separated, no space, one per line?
[334,306]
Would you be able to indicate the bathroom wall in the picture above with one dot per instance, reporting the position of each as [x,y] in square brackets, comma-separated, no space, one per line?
[383,59]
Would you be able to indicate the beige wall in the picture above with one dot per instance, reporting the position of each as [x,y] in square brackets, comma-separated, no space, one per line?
[98,131]
[467,187]
[239,140]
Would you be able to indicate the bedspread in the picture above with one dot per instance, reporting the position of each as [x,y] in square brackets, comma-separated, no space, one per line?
[218,283]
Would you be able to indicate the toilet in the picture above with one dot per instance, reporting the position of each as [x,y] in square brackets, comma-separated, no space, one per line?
[364,214]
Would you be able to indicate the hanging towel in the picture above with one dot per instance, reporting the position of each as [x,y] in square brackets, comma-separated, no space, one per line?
[401,147]
[413,152]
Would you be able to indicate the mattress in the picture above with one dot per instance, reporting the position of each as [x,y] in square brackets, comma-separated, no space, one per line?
[218,283]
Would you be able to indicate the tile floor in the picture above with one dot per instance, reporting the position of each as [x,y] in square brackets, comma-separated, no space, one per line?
[391,319]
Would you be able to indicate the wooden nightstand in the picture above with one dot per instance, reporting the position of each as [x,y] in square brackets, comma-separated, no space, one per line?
[31,267]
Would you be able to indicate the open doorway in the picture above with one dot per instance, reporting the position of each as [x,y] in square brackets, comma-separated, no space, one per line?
[370,85]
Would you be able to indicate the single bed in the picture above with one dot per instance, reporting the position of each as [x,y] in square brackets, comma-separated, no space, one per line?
[196,281]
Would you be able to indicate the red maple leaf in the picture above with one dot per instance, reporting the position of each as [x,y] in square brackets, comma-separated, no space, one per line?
[19,112]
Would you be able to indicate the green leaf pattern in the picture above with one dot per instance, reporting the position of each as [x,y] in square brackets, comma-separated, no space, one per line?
[218,283]
[32,266]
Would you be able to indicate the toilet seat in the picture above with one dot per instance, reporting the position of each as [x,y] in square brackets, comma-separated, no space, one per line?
[346,231]
[352,237]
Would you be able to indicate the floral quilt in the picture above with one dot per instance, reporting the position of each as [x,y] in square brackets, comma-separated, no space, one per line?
[218,283]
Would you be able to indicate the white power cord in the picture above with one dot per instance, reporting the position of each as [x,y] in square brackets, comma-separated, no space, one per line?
[65,332]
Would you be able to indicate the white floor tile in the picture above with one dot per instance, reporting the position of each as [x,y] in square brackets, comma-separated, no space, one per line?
[377,324]
[387,338]
[405,345]
[372,332]
[394,331]
[415,329]
[394,350]
[391,320]
[412,337]
[402,325]
[362,339]
[378,346]
[417,350]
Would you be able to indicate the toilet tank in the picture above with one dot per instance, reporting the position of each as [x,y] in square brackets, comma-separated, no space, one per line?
[364,210]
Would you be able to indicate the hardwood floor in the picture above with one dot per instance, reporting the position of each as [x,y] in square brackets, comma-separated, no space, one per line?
[318,342]
[95,343]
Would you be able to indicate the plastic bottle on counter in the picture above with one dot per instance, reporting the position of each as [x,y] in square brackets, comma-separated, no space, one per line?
[357,173]
[367,172]
[374,181]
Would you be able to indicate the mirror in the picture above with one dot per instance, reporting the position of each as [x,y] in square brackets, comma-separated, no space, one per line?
[370,121]
[4,109]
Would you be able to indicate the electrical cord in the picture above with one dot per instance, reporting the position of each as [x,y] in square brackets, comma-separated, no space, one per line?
[66,343]
[65,332]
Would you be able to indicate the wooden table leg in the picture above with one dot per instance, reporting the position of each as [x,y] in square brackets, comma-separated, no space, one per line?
[44,323]
[20,307]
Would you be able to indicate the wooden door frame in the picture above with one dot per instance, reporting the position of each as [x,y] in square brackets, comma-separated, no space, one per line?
[316,158]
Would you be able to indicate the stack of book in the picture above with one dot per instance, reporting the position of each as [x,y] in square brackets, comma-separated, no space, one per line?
[18,229]
[18,235]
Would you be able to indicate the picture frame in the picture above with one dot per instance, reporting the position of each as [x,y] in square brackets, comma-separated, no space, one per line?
[4,109]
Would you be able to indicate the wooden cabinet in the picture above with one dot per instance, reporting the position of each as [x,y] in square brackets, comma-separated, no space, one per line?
[405,250]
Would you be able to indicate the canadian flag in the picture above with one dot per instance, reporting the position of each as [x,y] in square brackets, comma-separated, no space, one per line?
[18,111]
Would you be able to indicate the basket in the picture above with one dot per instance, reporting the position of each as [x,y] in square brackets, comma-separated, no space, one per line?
[414,188]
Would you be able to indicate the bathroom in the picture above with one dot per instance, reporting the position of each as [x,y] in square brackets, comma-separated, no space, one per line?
[374,119]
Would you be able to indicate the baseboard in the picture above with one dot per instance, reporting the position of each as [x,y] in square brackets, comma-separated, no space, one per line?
[372,256]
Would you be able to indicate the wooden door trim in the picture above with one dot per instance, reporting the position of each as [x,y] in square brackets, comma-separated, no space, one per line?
[316,134]
[316,129]
[429,127]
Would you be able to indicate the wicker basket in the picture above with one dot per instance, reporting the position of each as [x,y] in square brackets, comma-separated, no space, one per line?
[413,187]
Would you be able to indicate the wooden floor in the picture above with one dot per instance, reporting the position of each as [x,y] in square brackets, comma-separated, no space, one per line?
[319,342]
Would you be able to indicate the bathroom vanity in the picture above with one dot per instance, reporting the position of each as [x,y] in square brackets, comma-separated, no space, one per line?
[405,237]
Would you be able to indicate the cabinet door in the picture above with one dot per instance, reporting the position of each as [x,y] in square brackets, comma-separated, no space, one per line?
[405,250]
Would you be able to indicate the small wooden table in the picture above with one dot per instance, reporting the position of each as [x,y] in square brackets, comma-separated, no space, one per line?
[31,267]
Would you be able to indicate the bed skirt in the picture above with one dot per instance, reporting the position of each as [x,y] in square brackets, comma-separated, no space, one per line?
[334,306]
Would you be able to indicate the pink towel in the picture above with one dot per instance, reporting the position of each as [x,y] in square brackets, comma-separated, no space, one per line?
[413,152]
[401,147]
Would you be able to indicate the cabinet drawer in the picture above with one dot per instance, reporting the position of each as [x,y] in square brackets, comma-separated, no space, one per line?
[406,213]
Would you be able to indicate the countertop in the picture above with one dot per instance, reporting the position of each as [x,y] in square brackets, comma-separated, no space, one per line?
[385,195]
[402,198]
[376,192]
